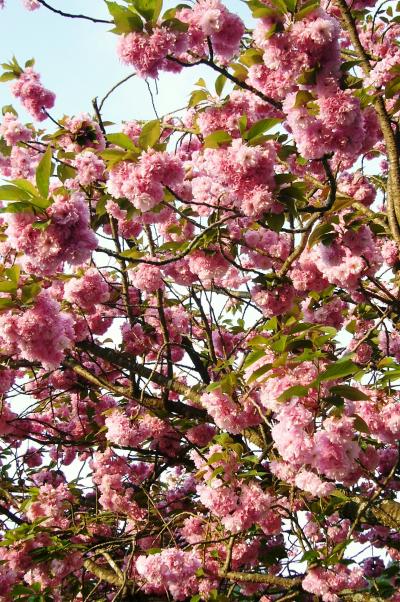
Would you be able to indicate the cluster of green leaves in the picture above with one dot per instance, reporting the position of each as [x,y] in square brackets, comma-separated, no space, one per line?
[140,15]
[13,70]
[22,196]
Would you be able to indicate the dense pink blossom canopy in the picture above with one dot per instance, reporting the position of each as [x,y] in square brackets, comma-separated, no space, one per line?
[199,315]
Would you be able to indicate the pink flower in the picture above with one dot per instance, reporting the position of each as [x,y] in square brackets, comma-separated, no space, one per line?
[308,481]
[68,237]
[89,290]
[147,52]
[172,570]
[89,168]
[13,131]
[32,94]
[147,278]
[229,415]
[40,334]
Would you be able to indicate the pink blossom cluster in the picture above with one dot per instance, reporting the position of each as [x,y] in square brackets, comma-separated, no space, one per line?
[147,53]
[39,334]
[240,508]
[13,131]
[122,431]
[384,70]
[328,583]
[171,570]
[211,19]
[109,474]
[343,262]
[331,451]
[221,115]
[331,313]
[274,301]
[382,415]
[81,132]
[240,176]
[21,163]
[89,168]
[143,182]
[309,42]
[228,414]
[51,503]
[338,128]
[35,98]
[88,290]
[67,238]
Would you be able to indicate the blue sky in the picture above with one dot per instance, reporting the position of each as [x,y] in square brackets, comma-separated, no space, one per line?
[77,60]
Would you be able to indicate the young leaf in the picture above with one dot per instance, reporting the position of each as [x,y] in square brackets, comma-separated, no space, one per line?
[295,391]
[340,369]
[216,139]
[125,19]
[349,393]
[121,140]
[150,134]
[43,172]
[261,127]
[220,83]
[149,9]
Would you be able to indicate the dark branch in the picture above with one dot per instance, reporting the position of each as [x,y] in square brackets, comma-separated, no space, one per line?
[71,16]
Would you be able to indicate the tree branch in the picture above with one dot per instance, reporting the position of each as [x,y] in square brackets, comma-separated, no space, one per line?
[71,16]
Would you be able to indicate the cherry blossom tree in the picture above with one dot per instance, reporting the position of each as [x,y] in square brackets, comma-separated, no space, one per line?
[199,315]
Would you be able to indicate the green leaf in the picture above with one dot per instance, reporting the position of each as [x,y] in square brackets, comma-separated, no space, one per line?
[8,109]
[175,25]
[340,369]
[26,185]
[18,207]
[291,5]
[13,273]
[302,98]
[150,134]
[240,71]
[259,372]
[251,56]
[308,77]
[360,424]
[310,555]
[8,192]
[43,173]
[7,287]
[125,19]
[149,9]
[121,140]
[30,291]
[41,225]
[281,5]
[132,254]
[275,221]
[220,83]
[261,127]
[7,76]
[349,393]
[295,391]
[242,123]
[217,138]
[319,233]
[65,172]
[306,9]
[6,303]
[253,357]
[392,88]
[196,97]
